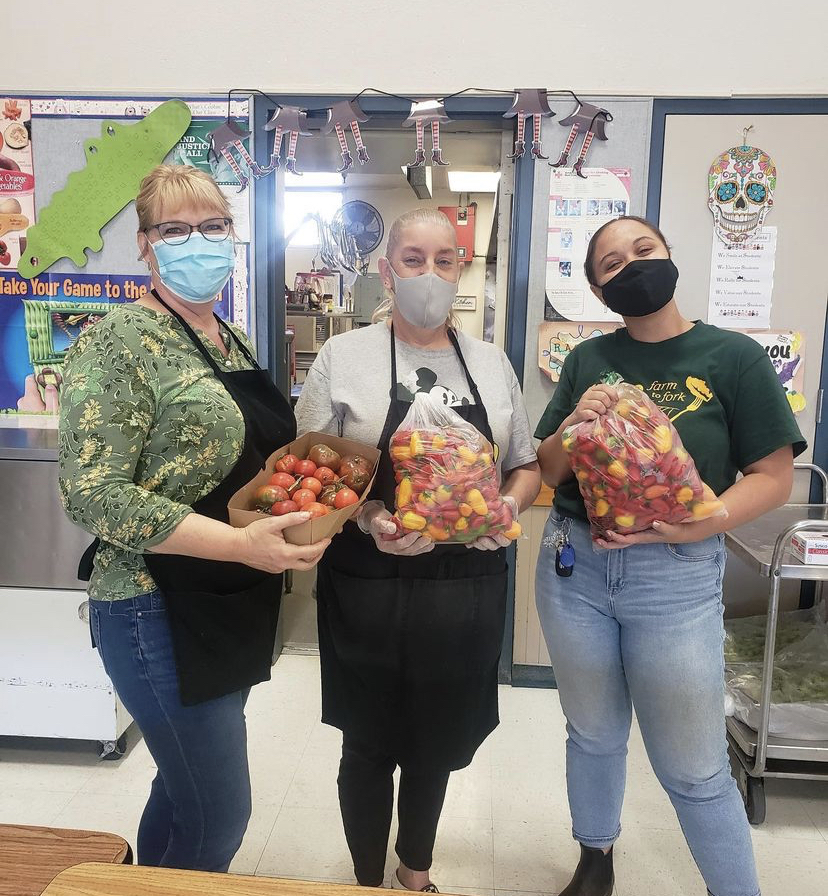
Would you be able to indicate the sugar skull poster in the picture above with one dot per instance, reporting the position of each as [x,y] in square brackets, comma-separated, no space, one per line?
[741,183]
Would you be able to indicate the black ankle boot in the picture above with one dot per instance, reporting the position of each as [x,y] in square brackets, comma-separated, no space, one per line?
[593,876]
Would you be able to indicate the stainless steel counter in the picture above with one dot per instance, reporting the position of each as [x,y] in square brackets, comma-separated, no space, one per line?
[28,444]
[39,546]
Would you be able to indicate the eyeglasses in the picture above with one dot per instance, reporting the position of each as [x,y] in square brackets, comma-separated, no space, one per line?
[177,232]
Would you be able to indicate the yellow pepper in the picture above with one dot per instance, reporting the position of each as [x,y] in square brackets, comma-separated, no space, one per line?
[401,452]
[625,408]
[428,499]
[413,521]
[625,520]
[486,459]
[582,475]
[681,454]
[684,495]
[598,491]
[466,509]
[404,493]
[601,507]
[568,443]
[462,524]
[416,445]
[467,454]
[663,438]
[477,501]
[703,509]
[617,470]
[437,533]
[443,494]
[514,531]
[438,442]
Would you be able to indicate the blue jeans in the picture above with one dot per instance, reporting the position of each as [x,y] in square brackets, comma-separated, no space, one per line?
[642,627]
[199,804]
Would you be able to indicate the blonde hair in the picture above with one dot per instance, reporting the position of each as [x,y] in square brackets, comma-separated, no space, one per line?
[174,186]
[430,216]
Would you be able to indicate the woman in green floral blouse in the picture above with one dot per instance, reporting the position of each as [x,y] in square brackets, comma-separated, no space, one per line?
[164,414]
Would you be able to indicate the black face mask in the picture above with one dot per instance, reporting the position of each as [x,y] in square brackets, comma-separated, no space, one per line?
[642,287]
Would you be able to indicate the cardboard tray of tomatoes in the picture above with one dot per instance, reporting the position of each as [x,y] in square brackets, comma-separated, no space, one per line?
[447,487]
[328,476]
[632,469]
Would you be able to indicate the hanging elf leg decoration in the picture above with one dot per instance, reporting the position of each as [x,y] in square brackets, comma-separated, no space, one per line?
[526,103]
[588,120]
[291,120]
[340,116]
[224,139]
[427,112]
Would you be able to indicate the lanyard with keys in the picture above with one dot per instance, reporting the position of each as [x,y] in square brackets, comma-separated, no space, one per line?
[564,552]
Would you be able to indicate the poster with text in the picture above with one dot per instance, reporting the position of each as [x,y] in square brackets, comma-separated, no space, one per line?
[577,208]
[17,205]
[741,282]
[194,149]
[40,320]
[556,340]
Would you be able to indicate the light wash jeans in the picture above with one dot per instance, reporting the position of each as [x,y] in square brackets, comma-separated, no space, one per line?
[642,627]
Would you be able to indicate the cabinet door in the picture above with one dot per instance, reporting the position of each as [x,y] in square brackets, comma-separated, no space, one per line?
[52,682]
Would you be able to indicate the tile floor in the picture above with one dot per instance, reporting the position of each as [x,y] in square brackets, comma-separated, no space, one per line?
[504,830]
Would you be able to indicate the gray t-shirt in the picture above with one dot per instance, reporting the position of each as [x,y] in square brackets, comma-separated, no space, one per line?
[348,389]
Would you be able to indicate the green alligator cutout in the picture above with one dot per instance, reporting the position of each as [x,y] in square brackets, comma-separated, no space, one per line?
[116,163]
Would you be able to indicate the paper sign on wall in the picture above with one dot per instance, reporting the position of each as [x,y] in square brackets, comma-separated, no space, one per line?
[577,208]
[741,282]
[557,339]
[17,205]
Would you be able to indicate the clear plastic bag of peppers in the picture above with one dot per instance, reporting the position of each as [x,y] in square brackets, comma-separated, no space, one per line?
[632,468]
[447,480]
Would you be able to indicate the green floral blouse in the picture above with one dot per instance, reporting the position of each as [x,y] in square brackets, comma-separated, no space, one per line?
[146,430]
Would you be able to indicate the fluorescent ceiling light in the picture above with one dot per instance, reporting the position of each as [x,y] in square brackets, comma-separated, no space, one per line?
[473,181]
[314,179]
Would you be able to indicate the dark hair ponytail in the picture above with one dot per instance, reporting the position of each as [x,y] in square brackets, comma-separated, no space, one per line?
[589,261]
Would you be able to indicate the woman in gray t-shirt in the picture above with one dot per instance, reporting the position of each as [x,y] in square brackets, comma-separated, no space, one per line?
[410,632]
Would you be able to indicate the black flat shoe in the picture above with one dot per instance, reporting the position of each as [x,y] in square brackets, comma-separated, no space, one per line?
[594,875]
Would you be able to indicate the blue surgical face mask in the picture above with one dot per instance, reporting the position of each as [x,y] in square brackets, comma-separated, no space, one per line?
[196,271]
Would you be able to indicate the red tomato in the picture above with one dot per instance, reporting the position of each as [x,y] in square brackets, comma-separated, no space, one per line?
[287,464]
[305,468]
[283,480]
[345,498]
[268,495]
[284,507]
[304,496]
[312,484]
[325,475]
[315,509]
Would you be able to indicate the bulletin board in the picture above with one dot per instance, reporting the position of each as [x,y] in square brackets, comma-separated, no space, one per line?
[794,133]
[627,148]
[59,128]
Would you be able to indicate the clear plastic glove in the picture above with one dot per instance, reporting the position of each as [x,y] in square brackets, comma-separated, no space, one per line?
[375,520]
[495,542]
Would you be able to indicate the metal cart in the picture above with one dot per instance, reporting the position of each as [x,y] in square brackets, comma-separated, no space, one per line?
[764,545]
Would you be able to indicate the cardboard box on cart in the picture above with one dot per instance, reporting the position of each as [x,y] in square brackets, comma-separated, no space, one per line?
[313,530]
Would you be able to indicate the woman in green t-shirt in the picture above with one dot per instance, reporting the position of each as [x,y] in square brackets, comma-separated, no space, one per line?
[639,623]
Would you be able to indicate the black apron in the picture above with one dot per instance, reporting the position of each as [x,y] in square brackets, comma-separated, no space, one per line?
[223,615]
[409,646]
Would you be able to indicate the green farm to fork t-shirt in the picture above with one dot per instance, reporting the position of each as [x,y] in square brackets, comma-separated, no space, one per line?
[718,388]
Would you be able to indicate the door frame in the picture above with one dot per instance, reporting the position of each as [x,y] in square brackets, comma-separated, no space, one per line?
[269,265]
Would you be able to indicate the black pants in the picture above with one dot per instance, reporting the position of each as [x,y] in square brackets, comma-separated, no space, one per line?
[366,798]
